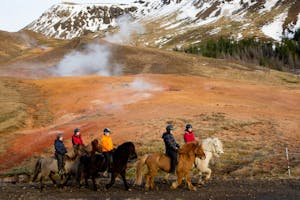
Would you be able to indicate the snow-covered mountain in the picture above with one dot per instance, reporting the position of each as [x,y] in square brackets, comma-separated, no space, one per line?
[172,22]
[67,21]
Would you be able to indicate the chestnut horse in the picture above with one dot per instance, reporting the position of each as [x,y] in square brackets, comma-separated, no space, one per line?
[158,161]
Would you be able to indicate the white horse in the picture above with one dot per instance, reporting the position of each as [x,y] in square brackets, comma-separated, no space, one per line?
[212,147]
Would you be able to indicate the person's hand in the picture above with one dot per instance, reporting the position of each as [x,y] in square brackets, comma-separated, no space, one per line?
[177,146]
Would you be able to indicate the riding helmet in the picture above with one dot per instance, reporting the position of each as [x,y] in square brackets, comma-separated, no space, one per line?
[169,127]
[76,130]
[106,130]
[188,126]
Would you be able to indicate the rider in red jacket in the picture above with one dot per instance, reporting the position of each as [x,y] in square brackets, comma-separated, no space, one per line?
[189,135]
[76,138]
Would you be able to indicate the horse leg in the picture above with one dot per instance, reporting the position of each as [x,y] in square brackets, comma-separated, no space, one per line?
[148,178]
[123,174]
[178,182]
[152,184]
[51,178]
[86,180]
[208,171]
[188,180]
[199,176]
[166,178]
[94,182]
[41,184]
[68,176]
[112,180]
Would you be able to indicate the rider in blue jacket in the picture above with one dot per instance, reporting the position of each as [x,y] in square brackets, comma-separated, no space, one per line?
[60,151]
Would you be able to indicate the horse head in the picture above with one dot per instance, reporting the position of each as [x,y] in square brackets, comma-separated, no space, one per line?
[199,151]
[132,152]
[95,145]
[217,146]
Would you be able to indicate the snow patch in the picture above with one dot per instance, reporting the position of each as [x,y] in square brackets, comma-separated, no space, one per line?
[274,29]
[292,28]
[269,4]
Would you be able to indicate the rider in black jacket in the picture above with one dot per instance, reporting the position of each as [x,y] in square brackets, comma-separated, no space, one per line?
[171,147]
[60,151]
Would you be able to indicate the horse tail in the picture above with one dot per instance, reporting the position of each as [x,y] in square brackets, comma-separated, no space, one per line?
[37,169]
[139,167]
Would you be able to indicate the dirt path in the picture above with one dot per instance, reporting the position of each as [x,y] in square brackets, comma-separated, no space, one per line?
[215,189]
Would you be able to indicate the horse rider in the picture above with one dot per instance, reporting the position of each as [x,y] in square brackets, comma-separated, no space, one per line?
[189,134]
[60,152]
[107,148]
[76,138]
[171,147]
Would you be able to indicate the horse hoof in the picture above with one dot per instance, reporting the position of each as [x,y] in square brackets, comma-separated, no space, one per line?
[173,186]
[201,183]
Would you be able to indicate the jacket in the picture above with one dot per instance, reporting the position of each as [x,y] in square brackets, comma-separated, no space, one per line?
[60,147]
[189,137]
[170,143]
[76,140]
[106,143]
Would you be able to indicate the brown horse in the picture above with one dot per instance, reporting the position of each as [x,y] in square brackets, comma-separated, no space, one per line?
[158,161]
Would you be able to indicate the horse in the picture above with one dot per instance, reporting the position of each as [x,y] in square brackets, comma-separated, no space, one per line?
[93,147]
[48,166]
[89,166]
[123,154]
[212,147]
[94,164]
[159,161]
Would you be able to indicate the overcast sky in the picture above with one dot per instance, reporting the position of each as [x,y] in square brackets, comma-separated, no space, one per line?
[16,14]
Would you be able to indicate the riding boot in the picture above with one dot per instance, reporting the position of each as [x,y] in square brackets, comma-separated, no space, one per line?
[173,157]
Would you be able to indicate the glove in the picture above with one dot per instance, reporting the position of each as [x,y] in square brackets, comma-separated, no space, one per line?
[177,146]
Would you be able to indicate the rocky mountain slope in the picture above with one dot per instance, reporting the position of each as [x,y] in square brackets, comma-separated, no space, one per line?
[176,22]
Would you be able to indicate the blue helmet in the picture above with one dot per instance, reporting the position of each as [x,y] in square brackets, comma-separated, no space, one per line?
[188,126]
[76,130]
[169,127]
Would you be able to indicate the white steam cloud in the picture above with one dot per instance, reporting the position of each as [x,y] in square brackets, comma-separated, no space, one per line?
[95,59]
[138,89]
[128,27]
[140,85]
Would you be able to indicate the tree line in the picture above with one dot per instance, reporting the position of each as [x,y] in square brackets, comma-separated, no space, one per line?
[283,56]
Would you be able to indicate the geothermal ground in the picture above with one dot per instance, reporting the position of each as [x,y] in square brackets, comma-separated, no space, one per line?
[255,113]
[255,121]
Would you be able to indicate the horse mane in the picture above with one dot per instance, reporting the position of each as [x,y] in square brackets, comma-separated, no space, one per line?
[124,145]
[188,148]
[95,146]
[209,144]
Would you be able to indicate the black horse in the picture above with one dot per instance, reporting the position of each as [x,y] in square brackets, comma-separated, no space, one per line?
[91,165]
[123,154]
